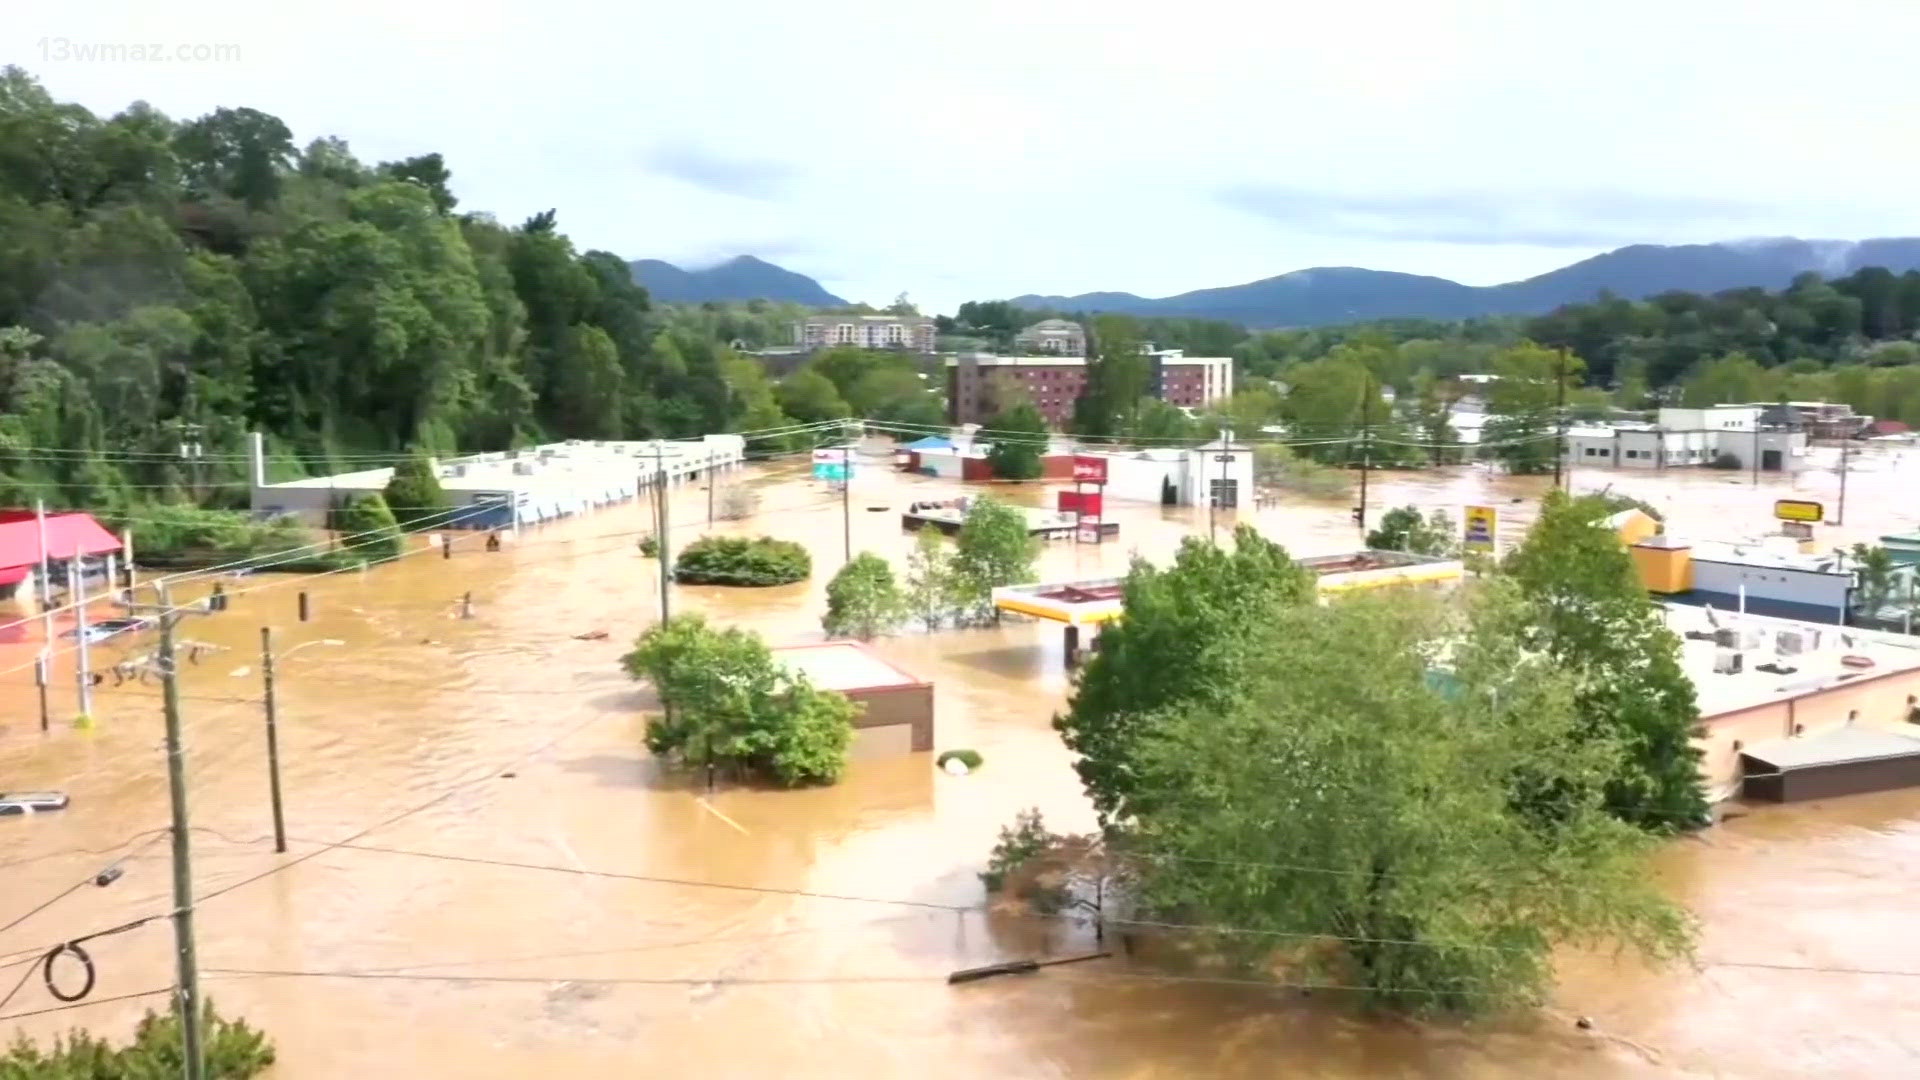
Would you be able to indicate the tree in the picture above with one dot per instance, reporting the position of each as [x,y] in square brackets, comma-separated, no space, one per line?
[809,397]
[863,601]
[1591,614]
[1873,566]
[414,494]
[1157,421]
[1343,817]
[232,1051]
[994,549]
[1019,436]
[729,704]
[1118,373]
[929,595]
[1183,639]
[1524,421]
[740,560]
[1403,529]
[367,528]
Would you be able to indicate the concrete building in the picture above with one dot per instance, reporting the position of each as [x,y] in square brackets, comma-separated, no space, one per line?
[912,333]
[1179,477]
[509,488]
[1052,337]
[895,708]
[1690,437]
[1055,382]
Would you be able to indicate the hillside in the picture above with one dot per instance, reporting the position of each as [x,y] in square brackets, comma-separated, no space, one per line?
[1348,294]
[742,277]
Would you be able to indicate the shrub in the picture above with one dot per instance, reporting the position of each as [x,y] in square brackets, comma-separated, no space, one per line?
[650,546]
[415,496]
[736,502]
[178,535]
[1019,863]
[863,600]
[738,560]
[234,1051]
[1277,467]
[970,758]
[367,529]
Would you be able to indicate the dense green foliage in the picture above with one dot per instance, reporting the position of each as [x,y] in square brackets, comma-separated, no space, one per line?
[175,535]
[1019,435]
[740,560]
[415,496]
[993,550]
[1181,640]
[1590,614]
[729,704]
[1345,822]
[367,529]
[211,274]
[929,596]
[233,1051]
[863,600]
[1403,529]
[1119,375]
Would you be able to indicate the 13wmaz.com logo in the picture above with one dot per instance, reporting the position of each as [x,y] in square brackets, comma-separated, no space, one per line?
[61,50]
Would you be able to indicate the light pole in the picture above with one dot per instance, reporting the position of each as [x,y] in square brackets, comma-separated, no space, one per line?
[273,727]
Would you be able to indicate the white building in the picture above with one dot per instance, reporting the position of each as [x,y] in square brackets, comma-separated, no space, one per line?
[1181,477]
[1687,437]
[508,488]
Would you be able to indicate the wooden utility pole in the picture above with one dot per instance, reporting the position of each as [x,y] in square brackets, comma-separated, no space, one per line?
[273,740]
[187,997]
[1366,450]
[1840,514]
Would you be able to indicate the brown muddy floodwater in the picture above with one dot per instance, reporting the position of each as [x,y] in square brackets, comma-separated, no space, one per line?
[465,969]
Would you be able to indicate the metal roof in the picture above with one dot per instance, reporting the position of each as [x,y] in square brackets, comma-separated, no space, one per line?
[1836,746]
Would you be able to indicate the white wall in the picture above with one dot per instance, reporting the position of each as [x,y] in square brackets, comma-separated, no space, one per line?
[1773,583]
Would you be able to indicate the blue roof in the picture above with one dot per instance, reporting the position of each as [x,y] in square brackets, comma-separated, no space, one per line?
[931,442]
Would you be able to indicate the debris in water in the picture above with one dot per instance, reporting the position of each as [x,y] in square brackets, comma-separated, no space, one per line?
[591,635]
[1585,1023]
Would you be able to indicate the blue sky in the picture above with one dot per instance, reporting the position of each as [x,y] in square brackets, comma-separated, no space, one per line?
[974,150]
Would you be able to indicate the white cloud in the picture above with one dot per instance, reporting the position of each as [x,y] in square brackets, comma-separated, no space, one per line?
[992,148]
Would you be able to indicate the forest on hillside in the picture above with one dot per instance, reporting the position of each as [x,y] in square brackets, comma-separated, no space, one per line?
[160,277]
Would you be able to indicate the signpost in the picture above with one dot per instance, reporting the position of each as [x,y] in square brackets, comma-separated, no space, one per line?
[1089,470]
[1799,510]
[1087,505]
[1482,529]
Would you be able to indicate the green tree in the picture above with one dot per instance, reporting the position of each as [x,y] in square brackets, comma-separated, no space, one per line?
[1019,435]
[809,397]
[729,704]
[1157,421]
[1403,529]
[1336,752]
[1118,374]
[993,549]
[740,560]
[929,597]
[863,600]
[1183,639]
[1873,568]
[415,496]
[1590,613]
[367,528]
[231,1050]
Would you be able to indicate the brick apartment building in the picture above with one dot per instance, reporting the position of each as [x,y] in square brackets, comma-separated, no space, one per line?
[913,333]
[1054,382]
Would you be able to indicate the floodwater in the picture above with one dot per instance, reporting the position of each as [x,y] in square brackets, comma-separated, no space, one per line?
[546,902]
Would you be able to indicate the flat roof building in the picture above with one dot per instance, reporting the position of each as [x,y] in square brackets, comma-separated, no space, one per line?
[896,708]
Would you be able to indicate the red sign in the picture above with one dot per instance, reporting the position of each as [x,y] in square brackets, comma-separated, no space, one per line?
[1080,502]
[1089,470]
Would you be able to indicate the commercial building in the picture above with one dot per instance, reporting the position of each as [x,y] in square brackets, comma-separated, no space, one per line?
[978,384]
[1052,337]
[895,708]
[1216,473]
[913,333]
[1770,577]
[508,488]
[1732,435]
[67,541]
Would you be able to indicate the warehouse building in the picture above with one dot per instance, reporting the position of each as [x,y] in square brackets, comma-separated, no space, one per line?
[895,709]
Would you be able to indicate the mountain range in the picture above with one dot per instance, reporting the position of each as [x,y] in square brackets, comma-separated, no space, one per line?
[742,277]
[1340,294]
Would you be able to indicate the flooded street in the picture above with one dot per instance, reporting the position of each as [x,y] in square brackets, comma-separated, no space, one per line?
[525,894]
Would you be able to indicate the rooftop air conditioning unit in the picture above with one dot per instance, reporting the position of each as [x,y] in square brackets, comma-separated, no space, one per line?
[1752,639]
[1791,643]
[523,468]
[456,471]
[1728,662]
[1726,637]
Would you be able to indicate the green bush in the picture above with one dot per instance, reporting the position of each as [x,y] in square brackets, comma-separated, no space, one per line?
[738,560]
[1024,847]
[180,535]
[863,600]
[414,495]
[367,529]
[650,546]
[970,758]
[234,1051]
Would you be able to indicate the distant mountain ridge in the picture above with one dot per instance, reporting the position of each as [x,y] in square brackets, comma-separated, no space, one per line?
[1340,294]
[742,277]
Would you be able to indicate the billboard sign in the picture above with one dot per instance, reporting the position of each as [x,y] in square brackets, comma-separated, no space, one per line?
[1799,510]
[1087,531]
[1482,529]
[1089,470]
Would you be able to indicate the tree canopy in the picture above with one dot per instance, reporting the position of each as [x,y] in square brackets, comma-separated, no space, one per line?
[1019,435]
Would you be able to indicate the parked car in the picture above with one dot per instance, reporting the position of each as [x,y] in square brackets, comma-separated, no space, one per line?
[105,629]
[31,802]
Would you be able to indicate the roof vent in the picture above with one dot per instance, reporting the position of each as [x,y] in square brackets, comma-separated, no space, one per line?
[1728,662]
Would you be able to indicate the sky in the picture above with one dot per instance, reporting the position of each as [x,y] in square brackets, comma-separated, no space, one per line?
[987,149]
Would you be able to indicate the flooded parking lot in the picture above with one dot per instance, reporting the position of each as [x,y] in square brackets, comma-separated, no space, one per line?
[526,893]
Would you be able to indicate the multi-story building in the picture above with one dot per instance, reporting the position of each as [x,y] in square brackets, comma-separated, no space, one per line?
[1052,337]
[913,333]
[978,384]
[1732,435]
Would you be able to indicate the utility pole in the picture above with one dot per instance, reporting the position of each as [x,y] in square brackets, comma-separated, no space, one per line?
[77,573]
[1560,415]
[188,995]
[1840,515]
[1220,492]
[846,500]
[666,558]
[1756,451]
[46,574]
[1366,449]
[273,740]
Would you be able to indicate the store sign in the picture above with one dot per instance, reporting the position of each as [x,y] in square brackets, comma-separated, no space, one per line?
[1088,531]
[1482,528]
[1799,510]
[1089,470]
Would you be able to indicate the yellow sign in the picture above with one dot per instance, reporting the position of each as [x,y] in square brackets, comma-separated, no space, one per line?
[1799,510]
[1482,527]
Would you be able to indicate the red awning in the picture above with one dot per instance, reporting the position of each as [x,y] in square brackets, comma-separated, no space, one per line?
[67,535]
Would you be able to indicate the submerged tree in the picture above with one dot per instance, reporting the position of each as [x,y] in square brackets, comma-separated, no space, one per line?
[1590,613]
[994,549]
[1184,639]
[863,600]
[1019,435]
[1403,529]
[1346,819]
[414,494]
